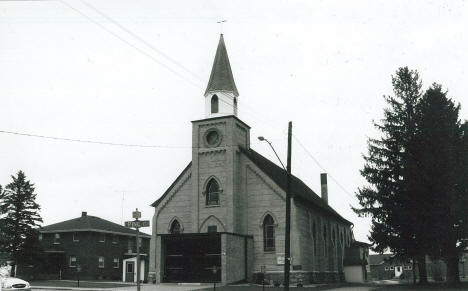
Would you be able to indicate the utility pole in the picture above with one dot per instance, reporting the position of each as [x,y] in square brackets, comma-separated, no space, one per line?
[287,238]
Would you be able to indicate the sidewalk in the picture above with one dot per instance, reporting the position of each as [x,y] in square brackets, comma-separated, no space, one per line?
[129,287]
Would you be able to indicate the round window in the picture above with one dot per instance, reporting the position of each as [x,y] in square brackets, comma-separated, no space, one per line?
[212,138]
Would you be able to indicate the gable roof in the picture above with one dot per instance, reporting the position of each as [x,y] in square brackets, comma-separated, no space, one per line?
[90,223]
[299,190]
[157,202]
[221,78]
[378,259]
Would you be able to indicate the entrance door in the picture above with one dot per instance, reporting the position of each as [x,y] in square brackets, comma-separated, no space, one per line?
[129,272]
[192,258]
[398,271]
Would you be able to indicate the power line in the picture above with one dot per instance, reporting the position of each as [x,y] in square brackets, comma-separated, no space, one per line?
[253,113]
[128,43]
[323,168]
[142,40]
[103,142]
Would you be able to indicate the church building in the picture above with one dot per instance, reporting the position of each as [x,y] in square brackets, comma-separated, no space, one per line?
[223,218]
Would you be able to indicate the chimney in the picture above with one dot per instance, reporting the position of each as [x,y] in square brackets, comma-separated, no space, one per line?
[84,213]
[324,187]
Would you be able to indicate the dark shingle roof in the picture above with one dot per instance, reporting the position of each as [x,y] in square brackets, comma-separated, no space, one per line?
[90,223]
[379,258]
[299,190]
[221,78]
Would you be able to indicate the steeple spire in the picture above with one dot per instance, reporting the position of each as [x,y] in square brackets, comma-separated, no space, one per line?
[221,79]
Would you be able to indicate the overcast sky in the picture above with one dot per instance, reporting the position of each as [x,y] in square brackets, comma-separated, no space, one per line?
[134,72]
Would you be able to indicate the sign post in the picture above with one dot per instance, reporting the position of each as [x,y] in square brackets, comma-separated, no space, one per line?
[137,224]
[78,270]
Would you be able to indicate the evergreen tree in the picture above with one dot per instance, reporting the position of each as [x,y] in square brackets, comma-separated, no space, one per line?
[19,216]
[439,161]
[388,169]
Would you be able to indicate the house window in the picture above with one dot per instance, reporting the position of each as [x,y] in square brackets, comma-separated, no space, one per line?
[116,263]
[40,236]
[212,228]
[410,267]
[102,237]
[75,237]
[72,261]
[386,268]
[129,267]
[57,238]
[214,104]
[101,262]
[140,241]
[175,227]
[268,233]
[392,268]
[131,245]
[115,239]
[212,192]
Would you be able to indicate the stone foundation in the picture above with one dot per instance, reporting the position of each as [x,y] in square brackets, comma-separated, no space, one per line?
[296,277]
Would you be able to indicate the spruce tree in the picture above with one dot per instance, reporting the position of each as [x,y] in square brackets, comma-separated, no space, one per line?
[387,197]
[19,216]
[439,162]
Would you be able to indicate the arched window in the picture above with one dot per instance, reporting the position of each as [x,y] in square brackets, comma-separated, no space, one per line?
[212,192]
[214,104]
[175,227]
[268,233]
[314,233]
[325,239]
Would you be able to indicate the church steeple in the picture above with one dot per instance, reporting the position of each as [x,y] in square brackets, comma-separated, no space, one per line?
[221,93]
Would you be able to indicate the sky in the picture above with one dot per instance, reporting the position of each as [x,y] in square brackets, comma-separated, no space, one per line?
[134,72]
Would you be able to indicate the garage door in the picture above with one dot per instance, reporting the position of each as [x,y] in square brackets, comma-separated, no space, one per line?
[192,257]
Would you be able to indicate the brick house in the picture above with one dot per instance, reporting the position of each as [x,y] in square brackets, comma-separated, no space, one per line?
[99,247]
[387,266]
[223,218]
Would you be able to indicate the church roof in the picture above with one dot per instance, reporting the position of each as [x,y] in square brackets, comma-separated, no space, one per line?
[89,223]
[299,190]
[221,78]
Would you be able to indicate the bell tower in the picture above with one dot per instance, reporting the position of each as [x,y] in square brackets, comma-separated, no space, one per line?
[221,93]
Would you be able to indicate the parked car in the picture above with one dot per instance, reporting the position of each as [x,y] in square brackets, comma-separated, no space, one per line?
[11,283]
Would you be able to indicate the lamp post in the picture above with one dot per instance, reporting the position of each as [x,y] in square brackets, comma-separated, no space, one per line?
[287,237]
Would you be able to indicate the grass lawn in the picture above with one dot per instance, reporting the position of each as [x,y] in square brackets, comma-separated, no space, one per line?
[372,287]
[84,284]
[431,286]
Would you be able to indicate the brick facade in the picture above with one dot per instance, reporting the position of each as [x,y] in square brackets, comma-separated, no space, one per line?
[64,241]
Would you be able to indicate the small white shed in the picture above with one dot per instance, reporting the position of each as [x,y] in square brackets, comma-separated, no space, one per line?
[129,271]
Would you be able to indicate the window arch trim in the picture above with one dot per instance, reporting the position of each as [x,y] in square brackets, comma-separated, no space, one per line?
[175,218]
[214,104]
[205,190]
[269,235]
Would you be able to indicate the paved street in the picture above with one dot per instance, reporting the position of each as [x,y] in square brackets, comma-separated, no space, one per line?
[144,287]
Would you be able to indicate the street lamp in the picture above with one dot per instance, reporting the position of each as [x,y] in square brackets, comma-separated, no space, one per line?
[287,237]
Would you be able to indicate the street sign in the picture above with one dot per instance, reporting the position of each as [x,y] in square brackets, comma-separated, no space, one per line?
[137,223]
[136,214]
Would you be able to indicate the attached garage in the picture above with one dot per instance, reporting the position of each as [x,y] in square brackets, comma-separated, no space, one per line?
[204,257]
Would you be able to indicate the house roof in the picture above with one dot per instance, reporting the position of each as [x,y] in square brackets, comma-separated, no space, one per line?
[221,78]
[378,259]
[299,190]
[89,223]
